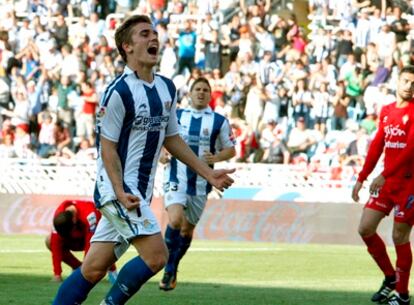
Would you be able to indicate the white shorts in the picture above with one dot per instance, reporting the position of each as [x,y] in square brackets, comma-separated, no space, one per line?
[193,205]
[120,226]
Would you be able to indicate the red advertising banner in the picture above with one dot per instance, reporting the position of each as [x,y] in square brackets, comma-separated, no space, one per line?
[281,222]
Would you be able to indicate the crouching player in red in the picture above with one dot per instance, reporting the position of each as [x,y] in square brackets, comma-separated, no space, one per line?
[392,137]
[74,223]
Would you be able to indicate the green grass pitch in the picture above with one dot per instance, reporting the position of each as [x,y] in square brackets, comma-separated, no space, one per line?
[212,273]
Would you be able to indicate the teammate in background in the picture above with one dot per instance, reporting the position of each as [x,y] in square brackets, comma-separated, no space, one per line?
[74,223]
[137,117]
[209,136]
[394,126]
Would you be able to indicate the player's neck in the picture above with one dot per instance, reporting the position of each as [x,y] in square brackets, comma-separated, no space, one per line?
[144,73]
[401,103]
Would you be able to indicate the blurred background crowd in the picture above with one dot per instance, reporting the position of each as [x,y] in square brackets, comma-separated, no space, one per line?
[306,91]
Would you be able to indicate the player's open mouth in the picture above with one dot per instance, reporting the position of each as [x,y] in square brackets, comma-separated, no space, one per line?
[152,50]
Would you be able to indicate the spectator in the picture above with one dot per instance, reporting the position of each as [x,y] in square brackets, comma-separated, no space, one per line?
[340,102]
[47,141]
[7,149]
[357,149]
[301,102]
[63,137]
[61,31]
[300,139]
[64,88]
[213,52]
[186,48]
[85,123]
[320,107]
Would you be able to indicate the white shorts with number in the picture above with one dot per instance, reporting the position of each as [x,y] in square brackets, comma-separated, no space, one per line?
[193,205]
[120,226]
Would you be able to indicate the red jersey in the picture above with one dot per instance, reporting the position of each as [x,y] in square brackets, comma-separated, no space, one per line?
[406,156]
[89,107]
[87,220]
[395,124]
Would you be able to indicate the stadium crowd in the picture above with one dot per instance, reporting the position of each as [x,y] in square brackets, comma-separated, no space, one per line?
[306,93]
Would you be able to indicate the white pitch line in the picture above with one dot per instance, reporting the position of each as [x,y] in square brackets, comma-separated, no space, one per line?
[261,249]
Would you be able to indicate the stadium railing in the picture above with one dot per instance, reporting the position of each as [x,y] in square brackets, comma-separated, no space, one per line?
[42,176]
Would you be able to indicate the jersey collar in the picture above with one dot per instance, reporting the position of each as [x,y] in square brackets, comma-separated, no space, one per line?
[128,71]
[206,110]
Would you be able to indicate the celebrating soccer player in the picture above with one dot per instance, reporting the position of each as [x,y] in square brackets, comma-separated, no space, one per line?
[137,117]
[209,136]
[74,223]
[395,122]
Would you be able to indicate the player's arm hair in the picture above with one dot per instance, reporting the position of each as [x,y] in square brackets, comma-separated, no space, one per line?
[177,147]
[112,164]
[226,154]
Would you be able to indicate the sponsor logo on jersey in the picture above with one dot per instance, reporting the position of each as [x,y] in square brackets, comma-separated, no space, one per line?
[394,131]
[395,145]
[145,122]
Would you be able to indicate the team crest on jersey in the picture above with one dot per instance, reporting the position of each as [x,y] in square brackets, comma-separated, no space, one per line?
[385,119]
[405,119]
[147,224]
[167,105]
[101,112]
[205,131]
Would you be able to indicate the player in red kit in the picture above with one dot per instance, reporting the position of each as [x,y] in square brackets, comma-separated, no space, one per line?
[74,223]
[404,212]
[392,138]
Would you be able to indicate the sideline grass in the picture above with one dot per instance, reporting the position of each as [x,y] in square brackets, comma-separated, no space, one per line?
[222,273]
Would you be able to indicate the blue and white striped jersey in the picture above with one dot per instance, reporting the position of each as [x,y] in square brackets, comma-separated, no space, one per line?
[203,130]
[138,116]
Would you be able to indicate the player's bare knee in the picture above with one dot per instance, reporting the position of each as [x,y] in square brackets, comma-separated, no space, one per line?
[157,263]
[175,222]
[186,232]
[400,237]
[365,231]
[93,274]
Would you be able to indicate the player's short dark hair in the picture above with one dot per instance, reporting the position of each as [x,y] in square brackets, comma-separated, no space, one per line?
[123,33]
[63,223]
[200,80]
[407,69]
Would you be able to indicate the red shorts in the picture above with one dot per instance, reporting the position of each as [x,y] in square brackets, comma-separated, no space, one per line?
[398,195]
[387,197]
[404,210]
